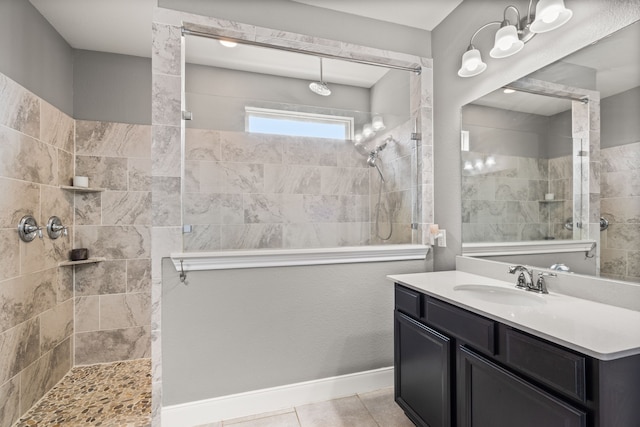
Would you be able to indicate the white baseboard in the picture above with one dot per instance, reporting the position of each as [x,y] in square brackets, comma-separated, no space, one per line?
[275,398]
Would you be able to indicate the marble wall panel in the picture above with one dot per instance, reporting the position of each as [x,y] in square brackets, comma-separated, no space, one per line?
[309,151]
[511,189]
[166,100]
[94,138]
[9,254]
[344,181]
[242,177]
[103,172]
[166,44]
[325,208]
[293,179]
[40,377]
[56,325]
[87,313]
[203,237]
[242,147]
[10,398]
[109,277]
[166,203]
[202,144]
[19,109]
[251,236]
[56,128]
[27,159]
[65,168]
[88,209]
[19,347]
[64,284]
[58,202]
[314,235]
[44,253]
[166,145]
[126,207]
[111,346]
[621,184]
[633,266]
[139,174]
[139,275]
[125,310]
[24,297]
[623,236]
[115,242]
[17,199]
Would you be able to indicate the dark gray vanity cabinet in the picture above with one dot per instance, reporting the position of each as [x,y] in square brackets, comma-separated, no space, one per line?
[456,368]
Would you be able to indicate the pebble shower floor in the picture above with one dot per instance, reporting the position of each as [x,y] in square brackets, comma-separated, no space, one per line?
[114,394]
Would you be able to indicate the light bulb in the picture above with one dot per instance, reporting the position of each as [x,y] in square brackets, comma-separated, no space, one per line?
[479,165]
[491,161]
[377,123]
[472,64]
[367,130]
[358,137]
[550,15]
[228,43]
[468,166]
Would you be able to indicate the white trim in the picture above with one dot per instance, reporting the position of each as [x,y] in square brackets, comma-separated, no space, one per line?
[275,398]
[194,261]
[526,248]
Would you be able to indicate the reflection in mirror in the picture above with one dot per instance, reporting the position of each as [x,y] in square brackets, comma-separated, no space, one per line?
[270,163]
[517,156]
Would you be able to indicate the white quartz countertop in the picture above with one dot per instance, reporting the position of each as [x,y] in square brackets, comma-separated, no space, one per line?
[603,331]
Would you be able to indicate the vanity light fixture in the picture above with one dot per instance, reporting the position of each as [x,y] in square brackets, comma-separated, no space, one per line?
[511,37]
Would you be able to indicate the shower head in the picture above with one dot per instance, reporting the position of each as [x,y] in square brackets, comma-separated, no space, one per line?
[320,87]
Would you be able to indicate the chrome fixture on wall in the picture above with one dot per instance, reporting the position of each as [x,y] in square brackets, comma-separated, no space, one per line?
[55,228]
[28,228]
[511,37]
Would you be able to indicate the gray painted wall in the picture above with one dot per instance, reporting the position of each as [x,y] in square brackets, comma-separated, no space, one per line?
[390,97]
[33,54]
[111,87]
[619,118]
[217,96]
[231,331]
[304,19]
[591,21]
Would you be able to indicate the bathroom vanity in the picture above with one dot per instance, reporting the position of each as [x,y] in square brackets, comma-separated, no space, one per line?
[475,351]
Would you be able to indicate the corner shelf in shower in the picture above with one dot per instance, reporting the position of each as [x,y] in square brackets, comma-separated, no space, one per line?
[81,189]
[551,201]
[84,261]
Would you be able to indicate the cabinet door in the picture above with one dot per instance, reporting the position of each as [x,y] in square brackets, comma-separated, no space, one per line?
[422,373]
[489,396]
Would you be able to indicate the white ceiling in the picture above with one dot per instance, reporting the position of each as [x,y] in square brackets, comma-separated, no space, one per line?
[123,26]
[423,14]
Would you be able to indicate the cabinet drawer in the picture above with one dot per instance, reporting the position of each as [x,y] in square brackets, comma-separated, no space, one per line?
[473,329]
[546,363]
[408,301]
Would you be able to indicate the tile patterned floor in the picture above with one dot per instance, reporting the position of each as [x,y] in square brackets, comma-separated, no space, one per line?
[114,394]
[374,409]
[119,394]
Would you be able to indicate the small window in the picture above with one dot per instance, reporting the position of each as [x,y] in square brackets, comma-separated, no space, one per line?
[294,123]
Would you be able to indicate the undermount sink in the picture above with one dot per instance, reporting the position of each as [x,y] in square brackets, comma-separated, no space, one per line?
[501,295]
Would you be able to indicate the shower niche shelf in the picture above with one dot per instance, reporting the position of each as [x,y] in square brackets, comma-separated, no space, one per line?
[84,261]
[81,189]
[552,201]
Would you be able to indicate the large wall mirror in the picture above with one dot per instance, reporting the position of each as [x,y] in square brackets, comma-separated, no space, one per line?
[272,164]
[539,169]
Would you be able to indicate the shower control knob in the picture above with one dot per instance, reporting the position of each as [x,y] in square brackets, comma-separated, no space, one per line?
[55,228]
[28,229]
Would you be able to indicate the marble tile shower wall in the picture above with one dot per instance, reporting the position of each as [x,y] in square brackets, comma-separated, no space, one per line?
[251,191]
[36,297]
[620,204]
[113,298]
[506,202]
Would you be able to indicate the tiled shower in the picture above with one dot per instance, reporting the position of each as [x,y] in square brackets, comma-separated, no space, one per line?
[46,325]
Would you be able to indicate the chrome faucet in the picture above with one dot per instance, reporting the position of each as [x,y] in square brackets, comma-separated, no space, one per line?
[541,285]
[525,278]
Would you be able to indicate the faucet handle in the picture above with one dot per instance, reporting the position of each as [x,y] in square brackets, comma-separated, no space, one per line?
[541,285]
